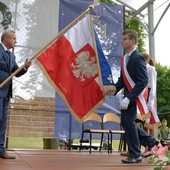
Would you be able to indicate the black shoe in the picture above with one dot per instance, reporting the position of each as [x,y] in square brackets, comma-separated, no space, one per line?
[131,160]
[163,143]
[6,156]
[152,144]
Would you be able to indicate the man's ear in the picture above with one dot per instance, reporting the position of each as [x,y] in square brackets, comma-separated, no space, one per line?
[133,40]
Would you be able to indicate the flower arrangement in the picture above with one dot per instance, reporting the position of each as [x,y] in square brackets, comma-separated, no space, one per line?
[160,157]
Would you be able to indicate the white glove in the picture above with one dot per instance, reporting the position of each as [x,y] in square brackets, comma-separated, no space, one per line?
[124,103]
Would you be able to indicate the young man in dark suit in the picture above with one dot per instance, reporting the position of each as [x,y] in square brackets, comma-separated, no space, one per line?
[133,78]
[8,65]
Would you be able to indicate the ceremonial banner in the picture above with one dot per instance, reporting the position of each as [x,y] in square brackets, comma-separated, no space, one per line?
[108,21]
[71,65]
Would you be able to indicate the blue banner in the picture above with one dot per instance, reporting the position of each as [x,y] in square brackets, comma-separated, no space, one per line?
[108,20]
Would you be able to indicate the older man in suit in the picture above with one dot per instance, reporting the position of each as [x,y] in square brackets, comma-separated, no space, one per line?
[133,78]
[8,65]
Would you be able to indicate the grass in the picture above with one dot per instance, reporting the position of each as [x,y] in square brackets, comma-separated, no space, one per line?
[25,143]
[37,143]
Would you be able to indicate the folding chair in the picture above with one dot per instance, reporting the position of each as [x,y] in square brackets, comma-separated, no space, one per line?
[112,117]
[94,117]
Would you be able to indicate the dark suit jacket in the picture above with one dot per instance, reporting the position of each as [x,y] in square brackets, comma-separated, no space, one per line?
[136,68]
[5,71]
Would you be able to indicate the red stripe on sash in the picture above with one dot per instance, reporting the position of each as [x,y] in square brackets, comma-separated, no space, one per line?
[143,96]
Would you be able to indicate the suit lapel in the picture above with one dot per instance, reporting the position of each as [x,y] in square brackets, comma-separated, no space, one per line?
[5,56]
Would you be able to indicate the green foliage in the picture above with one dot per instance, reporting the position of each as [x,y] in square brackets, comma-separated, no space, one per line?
[134,23]
[106,1]
[160,158]
[163,81]
[163,88]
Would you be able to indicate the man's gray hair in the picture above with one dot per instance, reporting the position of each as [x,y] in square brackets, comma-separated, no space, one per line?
[6,33]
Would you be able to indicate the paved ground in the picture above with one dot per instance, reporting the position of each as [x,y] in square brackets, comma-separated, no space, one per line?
[68,160]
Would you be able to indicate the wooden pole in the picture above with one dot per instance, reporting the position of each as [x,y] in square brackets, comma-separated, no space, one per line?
[49,43]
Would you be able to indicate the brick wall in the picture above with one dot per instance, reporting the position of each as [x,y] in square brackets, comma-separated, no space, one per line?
[31,118]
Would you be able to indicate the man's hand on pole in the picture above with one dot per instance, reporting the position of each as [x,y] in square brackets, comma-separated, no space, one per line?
[27,64]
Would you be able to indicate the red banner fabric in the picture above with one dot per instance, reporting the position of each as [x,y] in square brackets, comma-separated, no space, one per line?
[73,70]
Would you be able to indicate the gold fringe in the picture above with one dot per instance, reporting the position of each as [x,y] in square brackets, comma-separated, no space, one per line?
[143,117]
[151,126]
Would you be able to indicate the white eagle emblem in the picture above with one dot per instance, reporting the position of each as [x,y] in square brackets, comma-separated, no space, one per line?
[84,66]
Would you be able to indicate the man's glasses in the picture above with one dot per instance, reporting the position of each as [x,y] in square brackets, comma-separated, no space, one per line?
[124,39]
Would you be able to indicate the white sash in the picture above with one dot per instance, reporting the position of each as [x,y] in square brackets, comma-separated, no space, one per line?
[142,108]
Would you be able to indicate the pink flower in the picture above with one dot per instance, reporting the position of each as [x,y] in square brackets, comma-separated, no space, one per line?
[151,152]
[154,148]
[161,151]
[161,158]
[168,167]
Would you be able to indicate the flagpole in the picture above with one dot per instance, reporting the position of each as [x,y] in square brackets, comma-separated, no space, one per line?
[91,7]
[97,57]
